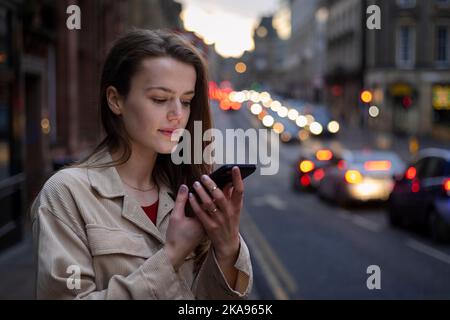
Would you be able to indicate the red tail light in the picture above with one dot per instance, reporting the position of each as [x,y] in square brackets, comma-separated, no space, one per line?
[415,187]
[305,181]
[319,174]
[411,173]
[342,165]
[447,186]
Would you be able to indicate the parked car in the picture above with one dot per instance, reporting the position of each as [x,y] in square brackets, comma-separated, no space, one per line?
[361,176]
[421,196]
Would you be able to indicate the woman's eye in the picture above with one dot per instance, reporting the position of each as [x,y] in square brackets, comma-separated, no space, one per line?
[186,103]
[159,101]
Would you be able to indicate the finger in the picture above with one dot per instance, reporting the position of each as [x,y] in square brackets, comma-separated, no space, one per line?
[228,190]
[217,194]
[204,218]
[238,186]
[206,200]
[180,201]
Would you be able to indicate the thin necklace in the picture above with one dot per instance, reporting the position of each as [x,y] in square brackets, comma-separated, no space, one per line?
[142,190]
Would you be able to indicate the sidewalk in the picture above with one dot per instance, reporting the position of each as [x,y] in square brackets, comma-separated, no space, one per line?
[17,271]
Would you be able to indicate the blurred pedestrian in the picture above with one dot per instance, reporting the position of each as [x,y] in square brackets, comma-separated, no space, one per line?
[110,226]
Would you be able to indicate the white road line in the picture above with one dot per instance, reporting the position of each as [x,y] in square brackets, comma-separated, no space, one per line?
[360,221]
[367,224]
[430,251]
[272,200]
[345,216]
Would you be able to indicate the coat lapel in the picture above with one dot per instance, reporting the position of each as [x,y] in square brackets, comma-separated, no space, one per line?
[108,184]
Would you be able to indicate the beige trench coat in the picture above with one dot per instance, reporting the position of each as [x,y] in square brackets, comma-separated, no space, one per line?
[93,241]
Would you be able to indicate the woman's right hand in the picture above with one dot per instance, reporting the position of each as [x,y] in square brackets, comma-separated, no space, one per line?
[183,234]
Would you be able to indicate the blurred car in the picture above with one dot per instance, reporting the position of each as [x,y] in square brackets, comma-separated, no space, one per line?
[421,196]
[361,176]
[311,167]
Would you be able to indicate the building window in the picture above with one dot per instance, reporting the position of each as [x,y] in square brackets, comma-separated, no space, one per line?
[442,44]
[443,3]
[406,47]
[406,4]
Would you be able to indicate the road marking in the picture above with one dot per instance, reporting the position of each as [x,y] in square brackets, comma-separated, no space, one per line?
[360,221]
[367,224]
[430,251]
[345,216]
[276,274]
[272,200]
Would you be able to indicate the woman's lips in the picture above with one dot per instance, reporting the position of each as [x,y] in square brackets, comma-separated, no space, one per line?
[167,133]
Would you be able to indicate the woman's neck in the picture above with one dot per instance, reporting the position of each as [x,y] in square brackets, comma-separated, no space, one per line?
[137,171]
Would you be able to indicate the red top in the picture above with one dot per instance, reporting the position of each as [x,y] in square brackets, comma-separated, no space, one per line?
[152,211]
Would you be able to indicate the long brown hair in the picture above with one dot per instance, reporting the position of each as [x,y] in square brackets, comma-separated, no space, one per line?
[122,62]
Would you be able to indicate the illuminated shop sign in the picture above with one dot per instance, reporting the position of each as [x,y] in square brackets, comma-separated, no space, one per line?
[441,97]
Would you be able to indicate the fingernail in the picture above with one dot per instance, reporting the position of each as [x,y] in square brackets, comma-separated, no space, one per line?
[197,184]
[183,189]
[204,178]
[191,196]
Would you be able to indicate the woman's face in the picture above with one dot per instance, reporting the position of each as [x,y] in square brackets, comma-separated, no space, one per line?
[158,102]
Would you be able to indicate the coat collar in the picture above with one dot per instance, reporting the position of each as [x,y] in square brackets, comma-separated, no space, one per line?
[107,182]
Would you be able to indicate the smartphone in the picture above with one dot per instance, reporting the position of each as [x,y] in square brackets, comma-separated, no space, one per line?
[223,176]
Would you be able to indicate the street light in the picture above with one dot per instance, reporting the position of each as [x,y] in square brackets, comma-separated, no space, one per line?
[240,67]
[366,96]
[322,15]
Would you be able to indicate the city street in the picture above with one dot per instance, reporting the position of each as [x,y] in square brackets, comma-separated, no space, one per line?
[351,200]
[304,248]
[301,246]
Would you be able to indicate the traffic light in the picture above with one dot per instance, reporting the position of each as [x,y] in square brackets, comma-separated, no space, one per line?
[407,102]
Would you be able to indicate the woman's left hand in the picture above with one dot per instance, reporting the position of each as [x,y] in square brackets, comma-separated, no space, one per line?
[220,212]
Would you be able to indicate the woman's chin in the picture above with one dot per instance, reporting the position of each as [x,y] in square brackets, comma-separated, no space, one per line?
[166,149]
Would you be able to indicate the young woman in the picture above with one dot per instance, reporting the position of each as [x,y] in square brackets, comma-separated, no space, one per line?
[114,225]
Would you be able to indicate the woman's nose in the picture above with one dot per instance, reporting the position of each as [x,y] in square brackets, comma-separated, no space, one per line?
[175,112]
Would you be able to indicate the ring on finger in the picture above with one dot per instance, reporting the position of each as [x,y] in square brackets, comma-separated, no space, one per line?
[213,189]
[213,211]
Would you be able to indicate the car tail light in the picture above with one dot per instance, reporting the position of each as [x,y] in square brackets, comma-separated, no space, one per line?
[342,165]
[353,177]
[324,155]
[378,165]
[305,181]
[306,166]
[411,173]
[319,174]
[415,187]
[447,186]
